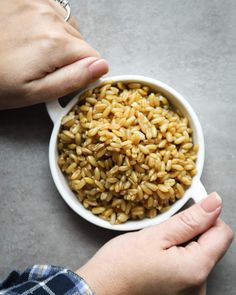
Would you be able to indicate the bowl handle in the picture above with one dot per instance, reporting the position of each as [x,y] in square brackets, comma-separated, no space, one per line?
[199,191]
[55,110]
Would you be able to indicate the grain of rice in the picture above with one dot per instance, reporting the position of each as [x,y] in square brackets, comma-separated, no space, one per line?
[154,177]
[180,189]
[76,174]
[177,167]
[163,188]
[134,85]
[186,180]
[122,217]
[116,203]
[81,184]
[77,139]
[146,189]
[189,167]
[140,192]
[164,127]
[113,218]
[169,137]
[97,174]
[99,185]
[162,144]
[193,172]
[65,139]
[86,151]
[195,148]
[108,212]
[150,202]
[152,186]
[98,210]
[92,132]
[112,180]
[187,146]
[137,211]
[92,161]
[89,180]
[164,209]
[144,149]
[161,174]
[170,182]
[151,213]
[180,140]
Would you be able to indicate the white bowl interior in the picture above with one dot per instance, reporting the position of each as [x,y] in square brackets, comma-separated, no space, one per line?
[177,101]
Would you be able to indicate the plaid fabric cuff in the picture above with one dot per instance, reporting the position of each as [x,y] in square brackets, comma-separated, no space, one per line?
[45,280]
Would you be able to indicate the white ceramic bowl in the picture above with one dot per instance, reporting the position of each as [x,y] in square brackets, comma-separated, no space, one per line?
[196,191]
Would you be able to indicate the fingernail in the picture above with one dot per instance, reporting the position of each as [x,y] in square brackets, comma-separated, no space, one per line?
[98,68]
[211,203]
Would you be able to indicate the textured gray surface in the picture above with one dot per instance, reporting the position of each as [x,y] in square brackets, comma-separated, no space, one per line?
[187,44]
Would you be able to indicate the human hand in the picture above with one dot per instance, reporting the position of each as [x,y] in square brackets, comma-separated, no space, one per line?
[42,57]
[157,260]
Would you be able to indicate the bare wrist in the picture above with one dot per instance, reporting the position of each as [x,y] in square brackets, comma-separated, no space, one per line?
[103,279]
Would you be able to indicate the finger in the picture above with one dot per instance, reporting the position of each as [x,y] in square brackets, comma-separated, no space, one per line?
[69,78]
[65,50]
[190,223]
[202,255]
[216,241]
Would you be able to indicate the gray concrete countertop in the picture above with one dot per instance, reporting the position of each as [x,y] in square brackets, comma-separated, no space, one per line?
[187,44]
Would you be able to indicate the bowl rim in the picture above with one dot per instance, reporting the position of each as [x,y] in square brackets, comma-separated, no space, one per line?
[69,197]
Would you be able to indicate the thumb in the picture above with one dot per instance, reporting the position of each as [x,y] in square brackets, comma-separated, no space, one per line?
[190,223]
[68,79]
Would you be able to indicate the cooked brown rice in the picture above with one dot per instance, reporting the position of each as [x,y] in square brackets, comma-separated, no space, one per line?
[126,152]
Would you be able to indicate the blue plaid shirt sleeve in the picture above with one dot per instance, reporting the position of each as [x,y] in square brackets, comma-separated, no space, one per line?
[45,280]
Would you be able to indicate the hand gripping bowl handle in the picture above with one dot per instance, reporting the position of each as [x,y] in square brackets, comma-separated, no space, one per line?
[196,191]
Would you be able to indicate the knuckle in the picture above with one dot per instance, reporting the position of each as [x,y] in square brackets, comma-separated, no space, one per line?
[52,40]
[189,220]
[226,230]
[44,9]
[229,233]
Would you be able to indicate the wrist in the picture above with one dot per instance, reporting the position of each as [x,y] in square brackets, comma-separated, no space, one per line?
[104,279]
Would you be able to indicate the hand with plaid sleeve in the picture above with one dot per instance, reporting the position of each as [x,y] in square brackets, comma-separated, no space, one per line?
[174,257]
